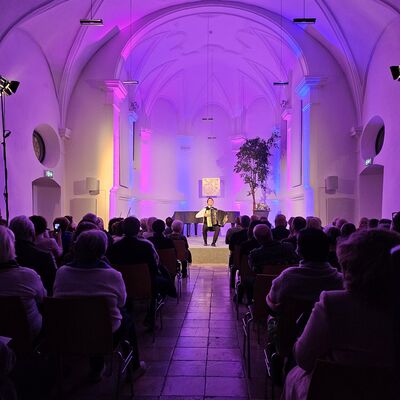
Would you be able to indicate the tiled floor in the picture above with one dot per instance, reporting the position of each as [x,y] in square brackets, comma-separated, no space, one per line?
[197,354]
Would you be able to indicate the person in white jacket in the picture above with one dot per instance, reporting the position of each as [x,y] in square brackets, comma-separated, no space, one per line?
[210,222]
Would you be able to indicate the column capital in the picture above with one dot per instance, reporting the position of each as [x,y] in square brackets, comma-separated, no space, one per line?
[115,91]
[309,82]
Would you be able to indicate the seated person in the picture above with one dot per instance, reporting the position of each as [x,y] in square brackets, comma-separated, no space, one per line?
[149,229]
[236,228]
[20,281]
[373,223]
[177,229]
[314,222]
[89,274]
[313,275]
[396,222]
[280,232]
[28,255]
[333,234]
[251,243]
[158,238]
[239,237]
[131,250]
[298,224]
[66,232]
[354,326]
[42,239]
[143,227]
[168,226]
[270,252]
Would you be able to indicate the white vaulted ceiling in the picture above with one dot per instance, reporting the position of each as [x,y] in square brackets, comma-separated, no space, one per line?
[349,30]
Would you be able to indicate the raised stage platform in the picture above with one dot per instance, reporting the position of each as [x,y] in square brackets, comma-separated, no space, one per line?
[208,255]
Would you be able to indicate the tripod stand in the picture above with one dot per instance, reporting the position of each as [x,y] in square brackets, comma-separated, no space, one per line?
[5,135]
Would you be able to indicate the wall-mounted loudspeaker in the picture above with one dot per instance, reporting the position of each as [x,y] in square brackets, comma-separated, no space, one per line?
[331,184]
[93,186]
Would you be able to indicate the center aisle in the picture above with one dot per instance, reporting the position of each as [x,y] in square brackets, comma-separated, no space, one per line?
[197,353]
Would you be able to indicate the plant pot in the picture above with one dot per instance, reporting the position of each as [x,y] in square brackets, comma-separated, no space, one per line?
[261,213]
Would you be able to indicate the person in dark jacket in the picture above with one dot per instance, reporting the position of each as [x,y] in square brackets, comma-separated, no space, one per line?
[280,232]
[28,255]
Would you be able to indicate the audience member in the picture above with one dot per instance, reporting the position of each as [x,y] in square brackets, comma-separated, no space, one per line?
[396,222]
[63,225]
[168,224]
[28,255]
[251,243]
[43,241]
[90,217]
[270,252]
[20,281]
[149,229]
[363,224]
[373,223]
[239,237]
[143,227]
[340,222]
[89,274]
[280,232]
[236,228]
[354,326]
[298,224]
[158,238]
[333,234]
[384,223]
[177,229]
[313,275]
[346,231]
[313,222]
[7,363]
[117,230]
[72,225]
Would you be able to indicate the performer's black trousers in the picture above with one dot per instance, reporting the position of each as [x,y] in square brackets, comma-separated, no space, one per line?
[216,230]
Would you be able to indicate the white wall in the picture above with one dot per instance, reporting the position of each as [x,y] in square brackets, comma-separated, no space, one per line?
[34,103]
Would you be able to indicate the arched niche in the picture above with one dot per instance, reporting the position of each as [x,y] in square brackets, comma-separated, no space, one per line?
[46,198]
[371,191]
[370,137]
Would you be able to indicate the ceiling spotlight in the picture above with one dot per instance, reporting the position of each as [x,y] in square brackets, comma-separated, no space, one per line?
[92,22]
[304,20]
[131,82]
[8,87]
[281,83]
[395,70]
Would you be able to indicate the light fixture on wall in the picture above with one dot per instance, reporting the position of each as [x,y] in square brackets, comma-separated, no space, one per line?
[395,70]
[281,82]
[304,19]
[91,21]
[7,88]
[129,80]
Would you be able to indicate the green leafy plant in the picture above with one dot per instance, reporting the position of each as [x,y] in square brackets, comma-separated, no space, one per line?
[253,163]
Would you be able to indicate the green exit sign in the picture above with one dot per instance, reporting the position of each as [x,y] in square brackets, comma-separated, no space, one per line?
[49,174]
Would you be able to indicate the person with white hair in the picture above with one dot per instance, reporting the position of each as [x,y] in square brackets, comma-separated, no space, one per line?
[177,229]
[20,281]
[29,255]
[89,274]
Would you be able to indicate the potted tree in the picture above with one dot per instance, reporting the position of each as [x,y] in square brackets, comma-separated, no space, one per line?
[254,166]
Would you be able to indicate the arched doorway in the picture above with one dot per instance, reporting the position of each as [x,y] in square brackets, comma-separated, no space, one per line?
[371,190]
[46,196]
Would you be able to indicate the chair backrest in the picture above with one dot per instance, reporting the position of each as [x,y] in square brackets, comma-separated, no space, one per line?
[331,381]
[288,329]
[274,269]
[262,286]
[244,269]
[180,248]
[236,256]
[137,281]
[14,324]
[168,260]
[77,325]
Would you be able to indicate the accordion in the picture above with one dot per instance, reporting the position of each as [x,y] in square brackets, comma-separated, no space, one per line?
[218,217]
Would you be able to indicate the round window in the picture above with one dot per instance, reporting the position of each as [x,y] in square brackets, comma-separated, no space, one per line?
[380,138]
[38,146]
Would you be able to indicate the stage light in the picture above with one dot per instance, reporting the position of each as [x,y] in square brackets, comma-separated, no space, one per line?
[395,70]
[304,20]
[8,87]
[131,82]
[92,22]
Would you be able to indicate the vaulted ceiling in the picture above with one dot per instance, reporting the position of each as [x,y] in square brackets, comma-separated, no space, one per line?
[348,30]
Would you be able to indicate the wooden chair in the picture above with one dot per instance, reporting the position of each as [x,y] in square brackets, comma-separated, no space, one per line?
[14,324]
[168,259]
[181,254]
[244,272]
[258,313]
[234,265]
[139,288]
[332,381]
[82,326]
